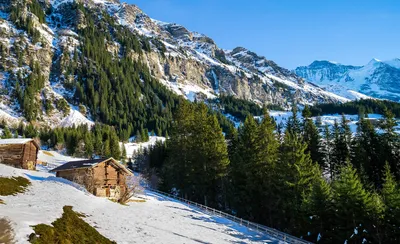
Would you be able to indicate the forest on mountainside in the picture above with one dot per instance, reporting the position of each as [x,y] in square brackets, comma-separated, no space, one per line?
[362,106]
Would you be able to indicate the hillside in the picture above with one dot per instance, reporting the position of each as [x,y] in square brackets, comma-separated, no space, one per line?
[377,79]
[110,62]
[158,220]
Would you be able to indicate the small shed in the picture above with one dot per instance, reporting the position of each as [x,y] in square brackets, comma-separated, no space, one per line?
[102,177]
[19,152]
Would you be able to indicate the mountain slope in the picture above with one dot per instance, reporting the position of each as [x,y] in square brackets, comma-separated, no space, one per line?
[110,58]
[378,79]
[158,220]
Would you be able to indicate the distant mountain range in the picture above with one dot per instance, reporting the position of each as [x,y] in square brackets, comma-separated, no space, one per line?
[377,79]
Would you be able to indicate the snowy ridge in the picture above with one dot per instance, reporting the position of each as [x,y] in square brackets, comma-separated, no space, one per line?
[377,79]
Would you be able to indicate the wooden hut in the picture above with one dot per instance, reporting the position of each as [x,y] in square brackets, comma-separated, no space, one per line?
[19,153]
[102,177]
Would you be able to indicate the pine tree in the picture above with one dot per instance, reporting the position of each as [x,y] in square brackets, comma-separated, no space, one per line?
[319,210]
[242,156]
[293,124]
[176,171]
[89,148]
[389,142]
[6,133]
[106,149]
[297,173]
[340,150]
[327,151]
[358,211]
[115,150]
[366,150]
[312,137]
[391,197]
[261,177]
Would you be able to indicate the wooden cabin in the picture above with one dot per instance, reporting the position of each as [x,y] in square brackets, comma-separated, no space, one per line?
[101,177]
[19,153]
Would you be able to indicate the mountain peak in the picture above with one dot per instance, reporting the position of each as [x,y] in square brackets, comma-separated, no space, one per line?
[374,61]
[323,63]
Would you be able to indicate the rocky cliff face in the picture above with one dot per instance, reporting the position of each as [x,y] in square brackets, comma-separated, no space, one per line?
[238,72]
[378,79]
[189,63]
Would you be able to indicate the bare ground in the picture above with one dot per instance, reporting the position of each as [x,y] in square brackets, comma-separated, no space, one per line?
[6,232]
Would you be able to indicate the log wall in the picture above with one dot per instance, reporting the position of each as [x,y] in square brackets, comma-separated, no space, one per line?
[107,180]
[19,155]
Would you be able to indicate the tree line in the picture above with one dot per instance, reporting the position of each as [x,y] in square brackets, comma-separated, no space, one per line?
[362,106]
[81,141]
[317,182]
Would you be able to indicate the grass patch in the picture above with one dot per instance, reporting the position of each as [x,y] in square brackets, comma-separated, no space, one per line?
[68,229]
[13,186]
[48,153]
[137,200]
[2,202]
[6,232]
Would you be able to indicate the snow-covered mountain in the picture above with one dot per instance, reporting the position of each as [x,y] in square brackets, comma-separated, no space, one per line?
[195,60]
[189,63]
[377,79]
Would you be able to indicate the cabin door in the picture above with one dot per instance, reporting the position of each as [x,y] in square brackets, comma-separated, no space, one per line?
[108,191]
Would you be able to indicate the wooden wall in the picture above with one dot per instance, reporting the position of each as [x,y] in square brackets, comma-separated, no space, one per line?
[19,155]
[12,154]
[105,175]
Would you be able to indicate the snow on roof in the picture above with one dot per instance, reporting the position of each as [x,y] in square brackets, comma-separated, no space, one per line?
[15,141]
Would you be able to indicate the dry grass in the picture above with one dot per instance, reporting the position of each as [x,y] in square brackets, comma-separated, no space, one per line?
[13,186]
[136,200]
[48,153]
[6,232]
[69,229]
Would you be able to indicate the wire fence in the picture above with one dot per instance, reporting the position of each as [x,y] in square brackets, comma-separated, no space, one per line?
[251,225]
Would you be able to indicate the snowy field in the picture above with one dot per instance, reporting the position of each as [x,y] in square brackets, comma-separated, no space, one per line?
[158,220]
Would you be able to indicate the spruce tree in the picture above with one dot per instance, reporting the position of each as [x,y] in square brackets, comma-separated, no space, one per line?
[391,197]
[243,156]
[327,151]
[115,150]
[340,151]
[366,150]
[262,178]
[358,211]
[89,149]
[293,124]
[312,137]
[319,211]
[6,133]
[297,173]
[389,142]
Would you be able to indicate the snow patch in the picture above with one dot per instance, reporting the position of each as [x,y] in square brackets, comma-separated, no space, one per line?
[76,118]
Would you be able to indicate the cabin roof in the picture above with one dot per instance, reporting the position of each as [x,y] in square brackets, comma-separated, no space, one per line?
[17,141]
[90,163]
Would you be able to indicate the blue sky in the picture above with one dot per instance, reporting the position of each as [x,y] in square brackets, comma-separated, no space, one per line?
[291,32]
